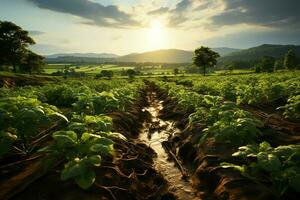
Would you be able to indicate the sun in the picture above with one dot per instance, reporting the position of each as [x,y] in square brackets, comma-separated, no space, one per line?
[156,34]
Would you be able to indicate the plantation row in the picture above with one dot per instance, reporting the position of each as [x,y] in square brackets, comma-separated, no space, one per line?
[279,90]
[230,137]
[78,111]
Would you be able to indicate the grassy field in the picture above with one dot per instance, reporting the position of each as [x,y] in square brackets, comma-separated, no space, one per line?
[96,69]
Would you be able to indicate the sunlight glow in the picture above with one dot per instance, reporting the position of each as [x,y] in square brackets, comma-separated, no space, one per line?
[156,34]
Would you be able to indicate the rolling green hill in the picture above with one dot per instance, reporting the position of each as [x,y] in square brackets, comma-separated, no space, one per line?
[256,53]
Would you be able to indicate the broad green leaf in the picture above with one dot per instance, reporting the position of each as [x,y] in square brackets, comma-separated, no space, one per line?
[65,137]
[95,160]
[105,141]
[77,127]
[102,149]
[268,162]
[73,169]
[85,136]
[86,180]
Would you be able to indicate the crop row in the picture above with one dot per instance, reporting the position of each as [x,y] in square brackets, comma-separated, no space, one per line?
[280,90]
[87,137]
[226,124]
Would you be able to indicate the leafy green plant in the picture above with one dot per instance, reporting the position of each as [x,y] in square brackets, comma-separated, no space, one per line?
[97,104]
[292,108]
[234,127]
[24,118]
[82,154]
[83,144]
[281,165]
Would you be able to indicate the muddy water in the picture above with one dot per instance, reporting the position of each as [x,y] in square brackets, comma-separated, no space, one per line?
[154,133]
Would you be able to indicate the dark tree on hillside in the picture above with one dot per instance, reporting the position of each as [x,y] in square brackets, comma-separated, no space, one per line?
[32,62]
[105,73]
[290,60]
[278,64]
[204,58]
[13,42]
[267,63]
[176,71]
[130,73]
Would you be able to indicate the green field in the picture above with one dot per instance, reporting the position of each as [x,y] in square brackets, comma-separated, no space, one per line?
[91,125]
[96,69]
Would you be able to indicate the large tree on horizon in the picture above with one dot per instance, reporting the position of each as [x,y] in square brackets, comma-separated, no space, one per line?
[290,60]
[32,62]
[14,42]
[204,57]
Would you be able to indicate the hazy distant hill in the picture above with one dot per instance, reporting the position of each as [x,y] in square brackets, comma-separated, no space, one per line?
[256,53]
[159,56]
[84,55]
[223,51]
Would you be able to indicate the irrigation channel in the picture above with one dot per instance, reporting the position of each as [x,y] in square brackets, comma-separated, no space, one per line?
[155,133]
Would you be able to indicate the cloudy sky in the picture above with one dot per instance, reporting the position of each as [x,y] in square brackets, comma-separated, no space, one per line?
[126,26]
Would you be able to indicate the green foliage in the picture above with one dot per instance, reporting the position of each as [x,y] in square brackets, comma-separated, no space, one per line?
[105,73]
[204,57]
[281,164]
[266,64]
[97,104]
[130,73]
[290,60]
[14,42]
[227,124]
[292,108]
[32,63]
[84,143]
[62,95]
[187,99]
[176,71]
[24,118]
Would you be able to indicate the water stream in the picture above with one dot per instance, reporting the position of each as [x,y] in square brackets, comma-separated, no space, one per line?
[154,133]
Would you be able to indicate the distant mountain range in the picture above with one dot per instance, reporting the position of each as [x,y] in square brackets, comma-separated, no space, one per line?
[256,53]
[159,56]
[178,56]
[84,55]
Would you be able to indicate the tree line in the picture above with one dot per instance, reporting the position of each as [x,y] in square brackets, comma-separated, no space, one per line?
[15,52]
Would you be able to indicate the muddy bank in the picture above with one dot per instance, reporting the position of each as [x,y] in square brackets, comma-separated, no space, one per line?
[155,134]
[209,179]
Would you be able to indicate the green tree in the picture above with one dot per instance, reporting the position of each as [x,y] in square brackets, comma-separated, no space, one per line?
[175,71]
[257,68]
[13,42]
[267,63]
[32,63]
[106,73]
[230,67]
[278,64]
[290,60]
[130,73]
[204,58]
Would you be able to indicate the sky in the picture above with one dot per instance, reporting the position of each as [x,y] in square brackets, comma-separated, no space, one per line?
[127,26]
